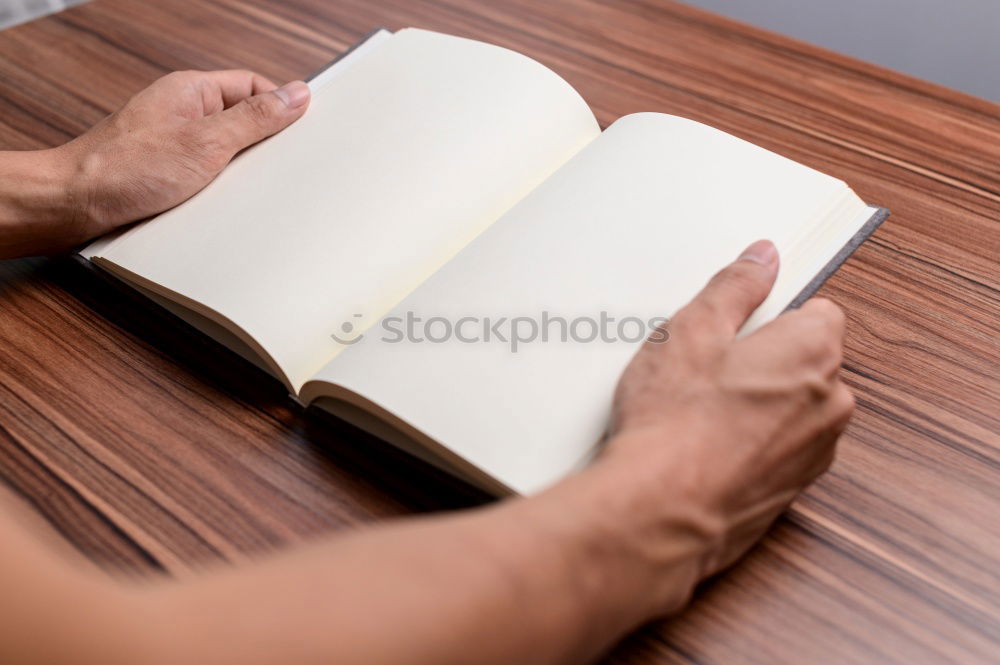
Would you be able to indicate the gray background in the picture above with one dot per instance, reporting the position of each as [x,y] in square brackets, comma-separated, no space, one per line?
[952,42]
[13,12]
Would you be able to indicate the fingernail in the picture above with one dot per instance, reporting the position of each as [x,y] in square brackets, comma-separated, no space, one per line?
[763,252]
[293,94]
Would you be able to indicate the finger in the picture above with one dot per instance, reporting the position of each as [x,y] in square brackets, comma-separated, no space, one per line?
[826,310]
[837,414]
[260,115]
[232,86]
[813,334]
[822,457]
[842,405]
[731,296]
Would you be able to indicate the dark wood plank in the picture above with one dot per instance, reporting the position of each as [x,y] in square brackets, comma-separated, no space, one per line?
[152,450]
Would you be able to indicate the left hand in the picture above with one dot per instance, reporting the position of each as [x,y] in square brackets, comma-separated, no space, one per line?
[167,142]
[172,139]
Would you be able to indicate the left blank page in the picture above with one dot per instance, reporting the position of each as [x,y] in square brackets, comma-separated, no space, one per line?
[402,159]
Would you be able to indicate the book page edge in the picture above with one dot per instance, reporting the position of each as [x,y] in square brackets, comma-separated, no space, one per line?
[878,216]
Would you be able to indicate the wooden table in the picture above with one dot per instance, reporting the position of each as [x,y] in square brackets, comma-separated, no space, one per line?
[151,449]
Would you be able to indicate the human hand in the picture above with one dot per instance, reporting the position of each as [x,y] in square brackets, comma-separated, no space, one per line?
[712,437]
[172,138]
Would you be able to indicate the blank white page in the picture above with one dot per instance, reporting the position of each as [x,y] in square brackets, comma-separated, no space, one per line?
[401,160]
[633,226]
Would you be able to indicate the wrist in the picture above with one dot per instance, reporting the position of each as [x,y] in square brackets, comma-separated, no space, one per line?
[667,479]
[42,210]
[648,502]
[68,166]
[637,549]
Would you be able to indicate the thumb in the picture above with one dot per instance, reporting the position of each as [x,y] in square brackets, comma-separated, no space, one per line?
[259,116]
[732,295]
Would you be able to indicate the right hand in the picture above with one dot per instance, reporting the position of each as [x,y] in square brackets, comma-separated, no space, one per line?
[714,436]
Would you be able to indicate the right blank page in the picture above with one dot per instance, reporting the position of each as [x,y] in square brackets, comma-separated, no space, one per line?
[633,226]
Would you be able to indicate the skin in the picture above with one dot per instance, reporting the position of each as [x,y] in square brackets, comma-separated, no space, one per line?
[711,438]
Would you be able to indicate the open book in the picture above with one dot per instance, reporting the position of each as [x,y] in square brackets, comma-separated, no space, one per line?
[389,256]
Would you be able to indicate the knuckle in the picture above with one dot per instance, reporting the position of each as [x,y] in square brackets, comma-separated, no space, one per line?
[827,311]
[707,309]
[735,283]
[691,320]
[826,305]
[833,350]
[812,341]
[742,277]
[827,350]
[246,78]
[258,110]
[818,339]
[196,138]
[210,149]
[817,386]
[843,402]
[180,77]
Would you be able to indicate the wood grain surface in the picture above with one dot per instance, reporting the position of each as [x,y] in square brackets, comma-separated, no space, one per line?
[154,451]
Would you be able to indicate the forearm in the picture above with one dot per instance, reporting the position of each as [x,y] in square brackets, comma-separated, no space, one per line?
[56,609]
[553,579]
[39,211]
